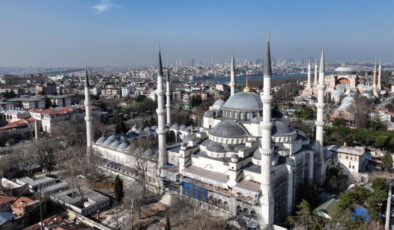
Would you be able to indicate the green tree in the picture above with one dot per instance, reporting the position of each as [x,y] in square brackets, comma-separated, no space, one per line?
[387,161]
[140,98]
[195,101]
[376,203]
[168,225]
[379,183]
[305,218]
[120,126]
[339,122]
[118,189]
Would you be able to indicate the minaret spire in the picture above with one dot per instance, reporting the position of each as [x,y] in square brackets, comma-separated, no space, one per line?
[320,118]
[160,115]
[168,97]
[266,199]
[308,86]
[232,80]
[315,75]
[88,117]
[380,75]
[374,80]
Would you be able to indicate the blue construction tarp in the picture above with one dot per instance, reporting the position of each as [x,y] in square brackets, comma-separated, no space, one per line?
[195,191]
[362,212]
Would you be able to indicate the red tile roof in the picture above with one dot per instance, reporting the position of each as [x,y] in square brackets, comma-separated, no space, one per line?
[22,123]
[6,199]
[22,202]
[62,110]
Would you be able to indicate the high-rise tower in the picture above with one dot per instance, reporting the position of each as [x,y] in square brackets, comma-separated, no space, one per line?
[168,97]
[161,133]
[232,80]
[267,199]
[320,118]
[308,86]
[88,117]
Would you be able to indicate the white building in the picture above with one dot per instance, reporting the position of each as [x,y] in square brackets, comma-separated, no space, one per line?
[353,160]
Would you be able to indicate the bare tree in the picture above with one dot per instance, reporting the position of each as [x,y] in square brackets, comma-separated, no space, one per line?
[134,197]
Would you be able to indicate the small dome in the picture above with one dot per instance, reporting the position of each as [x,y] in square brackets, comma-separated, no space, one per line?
[123,145]
[109,140]
[234,158]
[131,134]
[228,129]
[100,140]
[114,144]
[246,101]
[175,127]
[219,103]
[121,137]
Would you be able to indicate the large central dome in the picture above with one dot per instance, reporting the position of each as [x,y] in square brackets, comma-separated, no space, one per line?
[246,101]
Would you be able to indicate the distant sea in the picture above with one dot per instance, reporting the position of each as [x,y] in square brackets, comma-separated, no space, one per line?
[242,79]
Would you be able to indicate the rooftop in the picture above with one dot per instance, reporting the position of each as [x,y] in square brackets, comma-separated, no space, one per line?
[23,202]
[6,199]
[351,150]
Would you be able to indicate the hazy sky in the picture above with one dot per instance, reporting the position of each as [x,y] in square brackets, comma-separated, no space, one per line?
[65,33]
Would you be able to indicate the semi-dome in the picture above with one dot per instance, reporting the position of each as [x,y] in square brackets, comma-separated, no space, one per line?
[228,129]
[190,137]
[215,147]
[257,154]
[280,128]
[245,101]
[219,102]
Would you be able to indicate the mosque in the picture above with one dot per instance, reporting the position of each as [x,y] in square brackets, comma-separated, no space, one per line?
[245,161]
[344,81]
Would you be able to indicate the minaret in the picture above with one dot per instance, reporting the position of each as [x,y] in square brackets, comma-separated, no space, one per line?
[267,199]
[308,86]
[160,116]
[320,118]
[88,116]
[168,97]
[315,77]
[232,81]
[380,75]
[374,79]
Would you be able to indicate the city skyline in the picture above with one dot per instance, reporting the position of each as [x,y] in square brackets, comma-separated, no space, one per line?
[119,33]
